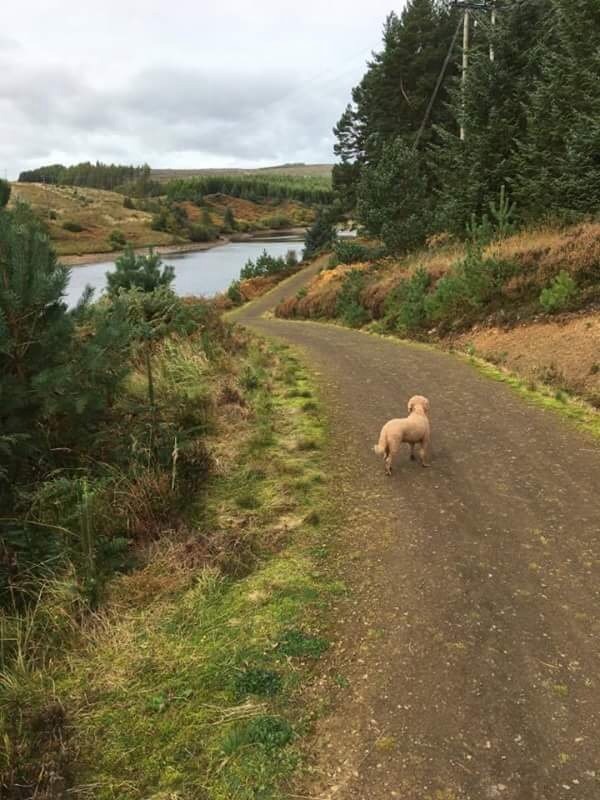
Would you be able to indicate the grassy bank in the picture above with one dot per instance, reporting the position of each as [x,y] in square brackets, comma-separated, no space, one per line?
[527,301]
[181,684]
[83,221]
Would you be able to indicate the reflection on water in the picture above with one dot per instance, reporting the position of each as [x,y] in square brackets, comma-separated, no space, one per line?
[204,272]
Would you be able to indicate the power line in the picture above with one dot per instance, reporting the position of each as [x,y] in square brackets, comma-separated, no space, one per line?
[438,84]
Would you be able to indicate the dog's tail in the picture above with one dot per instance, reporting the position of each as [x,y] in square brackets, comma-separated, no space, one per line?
[381,447]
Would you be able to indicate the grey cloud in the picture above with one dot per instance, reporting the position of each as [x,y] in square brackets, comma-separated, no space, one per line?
[229,87]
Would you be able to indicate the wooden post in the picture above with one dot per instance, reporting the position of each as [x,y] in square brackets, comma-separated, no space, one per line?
[465,65]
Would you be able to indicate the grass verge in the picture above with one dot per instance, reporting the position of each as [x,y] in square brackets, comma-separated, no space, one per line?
[572,408]
[185,684]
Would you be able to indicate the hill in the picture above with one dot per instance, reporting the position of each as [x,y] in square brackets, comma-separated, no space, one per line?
[292,170]
[83,221]
[525,302]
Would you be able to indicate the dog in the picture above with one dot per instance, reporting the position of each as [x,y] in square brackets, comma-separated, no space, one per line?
[414,430]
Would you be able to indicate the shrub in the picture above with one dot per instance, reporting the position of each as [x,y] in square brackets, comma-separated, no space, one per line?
[128,203]
[291,258]
[559,294]
[229,223]
[73,227]
[264,265]
[4,193]
[234,293]
[117,239]
[199,232]
[350,252]
[405,308]
[277,222]
[472,284]
[138,271]
[320,235]
[348,305]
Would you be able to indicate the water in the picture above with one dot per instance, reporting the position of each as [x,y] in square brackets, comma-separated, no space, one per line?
[200,272]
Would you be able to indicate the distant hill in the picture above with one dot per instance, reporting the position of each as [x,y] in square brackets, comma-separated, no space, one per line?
[295,170]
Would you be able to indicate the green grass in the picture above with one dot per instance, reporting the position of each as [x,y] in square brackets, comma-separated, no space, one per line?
[194,695]
[571,408]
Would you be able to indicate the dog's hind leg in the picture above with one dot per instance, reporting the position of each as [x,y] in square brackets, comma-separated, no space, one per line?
[412,452]
[424,452]
[388,461]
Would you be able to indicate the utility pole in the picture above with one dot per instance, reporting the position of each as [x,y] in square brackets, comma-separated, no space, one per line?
[465,65]
[492,53]
[469,5]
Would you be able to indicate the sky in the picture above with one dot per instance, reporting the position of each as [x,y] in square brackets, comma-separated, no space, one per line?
[185,84]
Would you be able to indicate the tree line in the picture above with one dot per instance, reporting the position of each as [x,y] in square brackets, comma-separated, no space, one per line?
[305,189]
[529,107]
[115,177]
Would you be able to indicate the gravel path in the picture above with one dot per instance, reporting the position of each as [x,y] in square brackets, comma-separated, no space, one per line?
[468,652]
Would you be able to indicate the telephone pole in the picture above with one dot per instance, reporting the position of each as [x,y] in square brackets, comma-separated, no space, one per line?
[468,6]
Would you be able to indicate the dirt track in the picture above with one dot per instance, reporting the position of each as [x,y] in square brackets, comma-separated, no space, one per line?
[471,637]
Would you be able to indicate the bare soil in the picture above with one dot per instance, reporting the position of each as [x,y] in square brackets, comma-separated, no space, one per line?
[564,352]
[465,658]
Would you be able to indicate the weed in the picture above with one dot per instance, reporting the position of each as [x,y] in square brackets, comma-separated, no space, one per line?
[296,643]
[270,732]
[256,680]
[559,294]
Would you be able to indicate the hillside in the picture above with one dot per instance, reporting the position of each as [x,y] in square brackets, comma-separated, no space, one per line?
[525,302]
[81,220]
[293,170]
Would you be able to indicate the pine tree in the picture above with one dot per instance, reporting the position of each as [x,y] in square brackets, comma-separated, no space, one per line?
[229,222]
[391,99]
[4,193]
[393,198]
[138,272]
[54,377]
[470,174]
[559,157]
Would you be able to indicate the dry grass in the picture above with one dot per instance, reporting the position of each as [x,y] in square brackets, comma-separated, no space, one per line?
[540,253]
[101,212]
[97,211]
[294,170]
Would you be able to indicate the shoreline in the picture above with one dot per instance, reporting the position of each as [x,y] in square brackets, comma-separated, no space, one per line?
[88,259]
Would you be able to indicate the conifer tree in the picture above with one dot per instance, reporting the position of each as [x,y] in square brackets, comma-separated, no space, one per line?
[469,174]
[138,272]
[53,379]
[4,193]
[559,158]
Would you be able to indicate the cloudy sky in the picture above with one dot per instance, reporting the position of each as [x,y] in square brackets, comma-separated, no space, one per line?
[178,84]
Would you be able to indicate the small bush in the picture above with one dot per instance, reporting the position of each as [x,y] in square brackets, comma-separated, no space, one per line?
[117,239]
[73,227]
[277,222]
[200,232]
[348,305]
[128,203]
[291,258]
[52,214]
[234,293]
[350,252]
[405,308]
[560,294]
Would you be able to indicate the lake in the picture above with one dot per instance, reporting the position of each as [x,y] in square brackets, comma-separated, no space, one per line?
[205,272]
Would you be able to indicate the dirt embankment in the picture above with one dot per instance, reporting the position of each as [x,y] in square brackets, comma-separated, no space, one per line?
[564,353]
[512,331]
